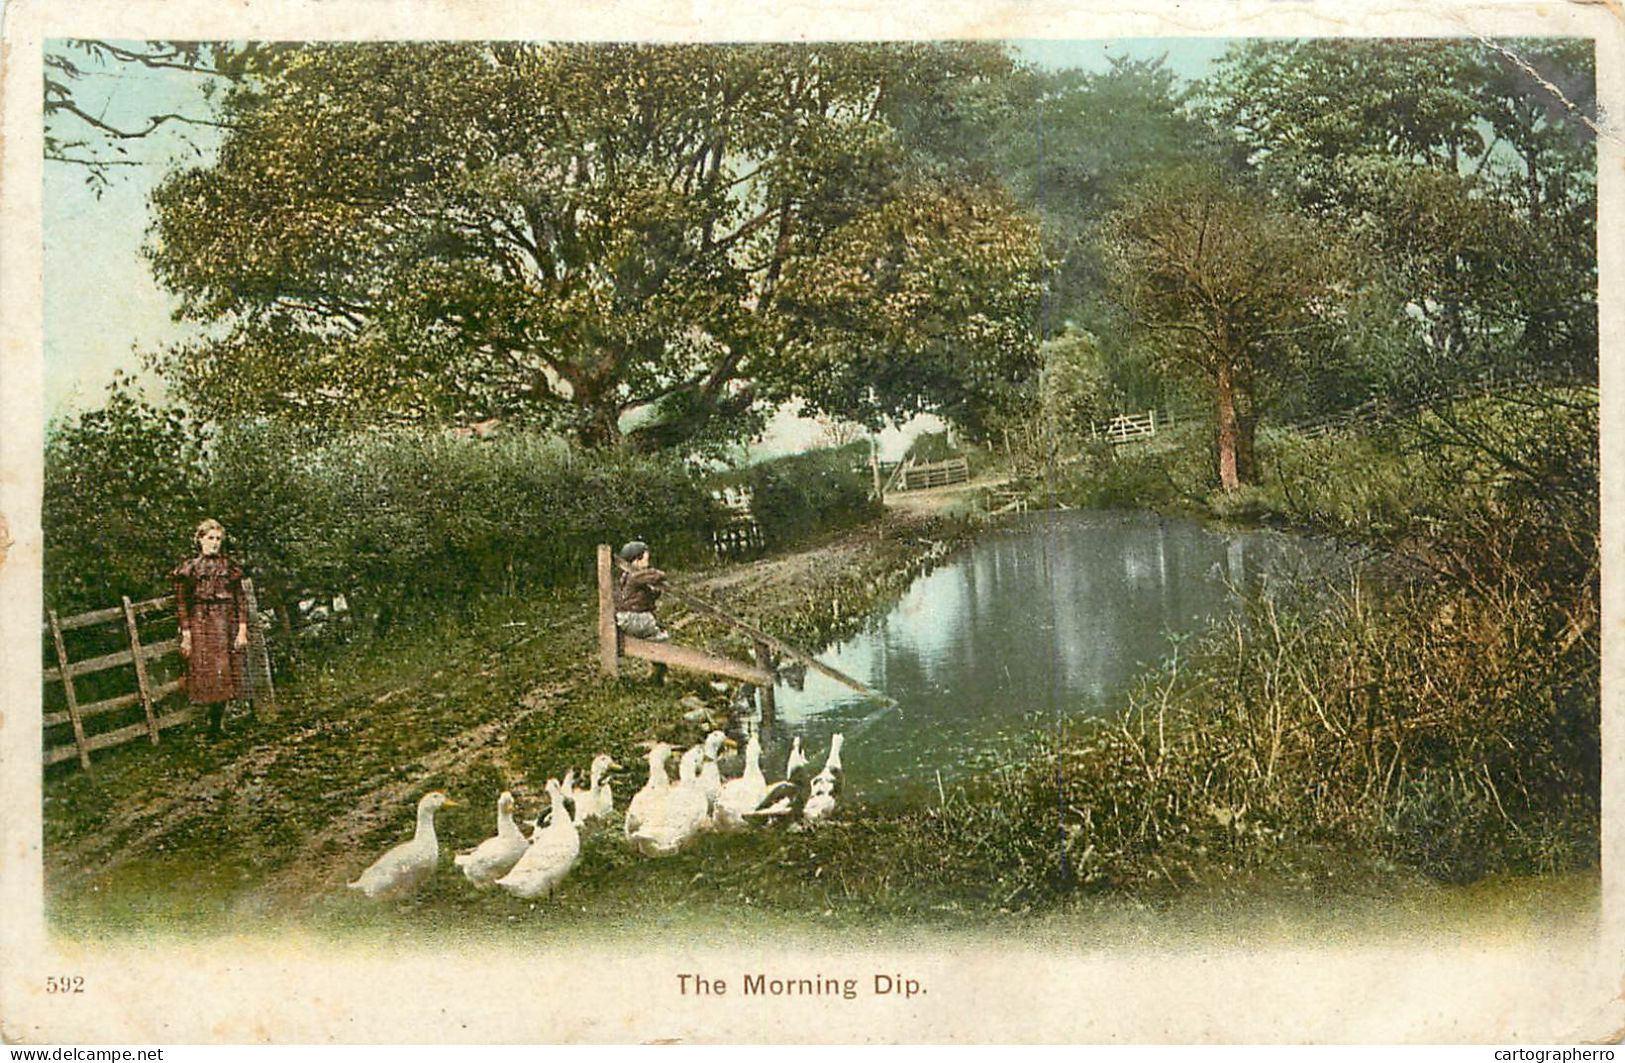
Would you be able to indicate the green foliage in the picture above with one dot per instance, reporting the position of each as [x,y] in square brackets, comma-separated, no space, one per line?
[124,488]
[924,304]
[1443,155]
[392,519]
[1079,142]
[560,235]
[802,494]
[389,518]
[931,446]
[1449,723]
[1231,290]
[1487,487]
[1171,476]
[1421,724]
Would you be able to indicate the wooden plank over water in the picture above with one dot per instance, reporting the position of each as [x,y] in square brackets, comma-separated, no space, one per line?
[694,600]
[695,660]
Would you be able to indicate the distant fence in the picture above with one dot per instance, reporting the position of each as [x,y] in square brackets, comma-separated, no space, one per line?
[141,655]
[912,477]
[1133,427]
[1384,409]
[741,535]
[1126,427]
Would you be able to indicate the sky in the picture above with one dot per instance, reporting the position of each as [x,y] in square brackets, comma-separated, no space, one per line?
[103,307]
[102,304]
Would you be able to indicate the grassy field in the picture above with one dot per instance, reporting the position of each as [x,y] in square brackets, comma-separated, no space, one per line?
[269,823]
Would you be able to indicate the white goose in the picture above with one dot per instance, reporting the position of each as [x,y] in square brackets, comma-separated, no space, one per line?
[597,801]
[647,801]
[409,864]
[710,774]
[797,761]
[681,816]
[494,857]
[782,797]
[743,795]
[825,785]
[552,852]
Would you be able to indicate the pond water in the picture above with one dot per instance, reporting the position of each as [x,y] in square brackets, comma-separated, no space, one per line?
[1050,615]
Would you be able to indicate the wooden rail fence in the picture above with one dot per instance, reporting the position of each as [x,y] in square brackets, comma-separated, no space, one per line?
[933,474]
[742,534]
[1125,428]
[147,694]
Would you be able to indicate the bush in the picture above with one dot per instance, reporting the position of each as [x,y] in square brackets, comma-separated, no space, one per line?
[1422,727]
[394,517]
[123,492]
[820,490]
[1168,475]
[929,447]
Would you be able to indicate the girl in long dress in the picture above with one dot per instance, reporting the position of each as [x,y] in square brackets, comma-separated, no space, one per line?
[213,614]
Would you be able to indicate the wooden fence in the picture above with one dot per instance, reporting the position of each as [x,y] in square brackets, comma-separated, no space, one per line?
[1381,409]
[147,694]
[1132,427]
[741,535]
[614,643]
[1125,428]
[933,474]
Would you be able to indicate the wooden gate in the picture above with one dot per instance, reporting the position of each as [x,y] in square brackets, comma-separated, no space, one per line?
[147,694]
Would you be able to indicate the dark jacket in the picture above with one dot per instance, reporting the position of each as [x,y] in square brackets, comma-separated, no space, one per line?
[638,590]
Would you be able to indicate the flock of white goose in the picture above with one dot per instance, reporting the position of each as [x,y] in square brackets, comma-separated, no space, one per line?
[661,818]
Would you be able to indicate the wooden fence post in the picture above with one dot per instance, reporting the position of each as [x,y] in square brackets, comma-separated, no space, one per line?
[67,688]
[259,657]
[140,660]
[764,661]
[608,651]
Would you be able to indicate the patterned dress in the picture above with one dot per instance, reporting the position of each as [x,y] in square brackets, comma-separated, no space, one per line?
[209,602]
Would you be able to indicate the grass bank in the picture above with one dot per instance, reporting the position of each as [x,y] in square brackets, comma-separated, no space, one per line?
[499,693]
[1437,714]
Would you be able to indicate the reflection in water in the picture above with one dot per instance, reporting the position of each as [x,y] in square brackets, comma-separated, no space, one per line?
[1052,615]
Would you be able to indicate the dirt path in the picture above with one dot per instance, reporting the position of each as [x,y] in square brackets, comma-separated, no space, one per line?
[315,870]
[937,502]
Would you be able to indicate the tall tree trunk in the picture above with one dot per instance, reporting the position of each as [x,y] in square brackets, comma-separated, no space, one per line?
[1246,432]
[1229,430]
[601,426]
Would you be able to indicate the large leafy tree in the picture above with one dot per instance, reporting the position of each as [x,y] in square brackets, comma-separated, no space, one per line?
[1444,155]
[1231,289]
[608,240]
[1076,144]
